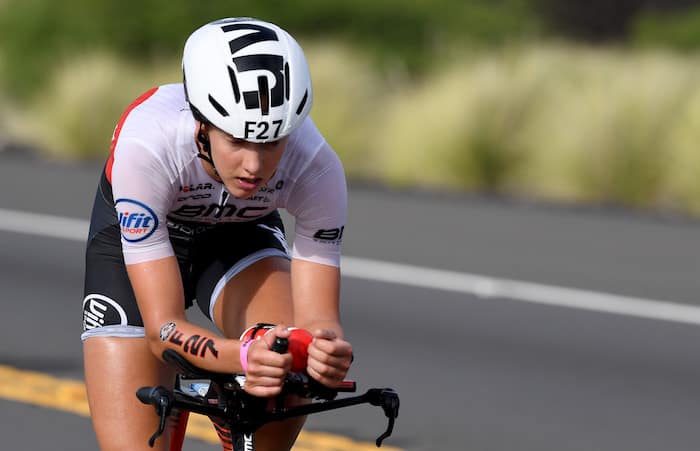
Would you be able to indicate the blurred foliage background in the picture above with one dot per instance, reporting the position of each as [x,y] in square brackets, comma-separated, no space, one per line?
[568,100]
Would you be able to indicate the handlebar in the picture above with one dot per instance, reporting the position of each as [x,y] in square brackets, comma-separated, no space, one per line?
[225,398]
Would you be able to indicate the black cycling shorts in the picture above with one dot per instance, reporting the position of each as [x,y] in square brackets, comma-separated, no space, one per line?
[208,257]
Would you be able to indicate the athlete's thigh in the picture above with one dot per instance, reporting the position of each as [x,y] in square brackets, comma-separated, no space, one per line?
[116,356]
[247,280]
[114,369]
[247,283]
[259,294]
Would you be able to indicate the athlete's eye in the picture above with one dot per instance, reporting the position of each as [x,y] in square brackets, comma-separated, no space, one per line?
[266,146]
[273,144]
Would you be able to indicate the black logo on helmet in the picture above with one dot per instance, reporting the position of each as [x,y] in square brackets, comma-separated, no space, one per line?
[271,91]
[265,97]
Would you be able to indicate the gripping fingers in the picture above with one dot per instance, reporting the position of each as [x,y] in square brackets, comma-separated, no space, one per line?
[326,362]
[329,361]
[327,376]
[266,369]
[336,353]
[264,381]
[263,386]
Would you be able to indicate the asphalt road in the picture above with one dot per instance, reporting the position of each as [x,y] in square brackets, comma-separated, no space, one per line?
[473,373]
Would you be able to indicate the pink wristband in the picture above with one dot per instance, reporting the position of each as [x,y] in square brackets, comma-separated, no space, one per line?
[244,354]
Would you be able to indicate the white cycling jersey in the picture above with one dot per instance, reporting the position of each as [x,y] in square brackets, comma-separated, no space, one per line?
[157,179]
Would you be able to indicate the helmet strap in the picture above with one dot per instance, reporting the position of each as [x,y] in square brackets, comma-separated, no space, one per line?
[205,150]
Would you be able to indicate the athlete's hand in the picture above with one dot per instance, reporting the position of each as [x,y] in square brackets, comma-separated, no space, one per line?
[329,358]
[266,368]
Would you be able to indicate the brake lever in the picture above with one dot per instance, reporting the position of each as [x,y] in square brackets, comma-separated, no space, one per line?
[163,411]
[163,405]
[388,399]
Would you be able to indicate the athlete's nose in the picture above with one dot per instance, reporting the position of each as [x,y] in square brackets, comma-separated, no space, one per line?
[252,161]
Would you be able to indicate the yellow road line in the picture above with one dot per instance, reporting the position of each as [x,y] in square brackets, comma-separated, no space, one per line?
[41,389]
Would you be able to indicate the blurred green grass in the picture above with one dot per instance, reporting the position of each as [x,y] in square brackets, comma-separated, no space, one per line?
[556,121]
[35,35]
[476,95]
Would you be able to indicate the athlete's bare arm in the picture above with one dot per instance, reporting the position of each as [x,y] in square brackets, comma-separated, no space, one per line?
[316,294]
[158,288]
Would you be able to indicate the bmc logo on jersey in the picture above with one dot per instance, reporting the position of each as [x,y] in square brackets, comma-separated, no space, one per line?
[136,220]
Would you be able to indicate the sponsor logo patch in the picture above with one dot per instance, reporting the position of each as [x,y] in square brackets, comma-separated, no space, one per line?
[331,236]
[218,211]
[166,330]
[191,187]
[136,220]
[101,311]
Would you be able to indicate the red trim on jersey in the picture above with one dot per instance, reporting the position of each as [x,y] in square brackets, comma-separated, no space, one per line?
[110,161]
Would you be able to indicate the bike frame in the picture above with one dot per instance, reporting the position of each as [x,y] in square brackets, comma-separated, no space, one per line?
[177,436]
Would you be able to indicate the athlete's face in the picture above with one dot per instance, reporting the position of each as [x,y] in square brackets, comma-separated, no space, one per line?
[244,166]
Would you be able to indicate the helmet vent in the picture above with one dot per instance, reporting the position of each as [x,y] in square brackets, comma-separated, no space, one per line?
[234,84]
[217,106]
[303,102]
[286,81]
[264,93]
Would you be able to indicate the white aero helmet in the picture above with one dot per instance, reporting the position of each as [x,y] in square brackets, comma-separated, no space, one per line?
[247,77]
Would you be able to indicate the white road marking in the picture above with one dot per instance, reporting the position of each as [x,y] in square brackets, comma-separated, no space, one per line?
[491,287]
[43,225]
[482,286]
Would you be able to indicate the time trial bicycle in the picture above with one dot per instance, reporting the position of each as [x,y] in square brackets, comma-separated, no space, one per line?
[238,414]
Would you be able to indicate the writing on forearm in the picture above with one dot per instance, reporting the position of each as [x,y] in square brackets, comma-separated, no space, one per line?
[196,344]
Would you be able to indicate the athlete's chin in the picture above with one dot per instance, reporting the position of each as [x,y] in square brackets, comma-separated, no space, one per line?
[240,192]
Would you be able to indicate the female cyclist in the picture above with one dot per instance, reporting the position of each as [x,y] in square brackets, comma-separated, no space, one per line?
[186,211]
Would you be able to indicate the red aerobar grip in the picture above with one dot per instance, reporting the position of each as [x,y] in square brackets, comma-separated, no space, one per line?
[299,341]
[347,386]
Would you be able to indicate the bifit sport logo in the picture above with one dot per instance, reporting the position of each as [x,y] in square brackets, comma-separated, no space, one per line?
[136,220]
